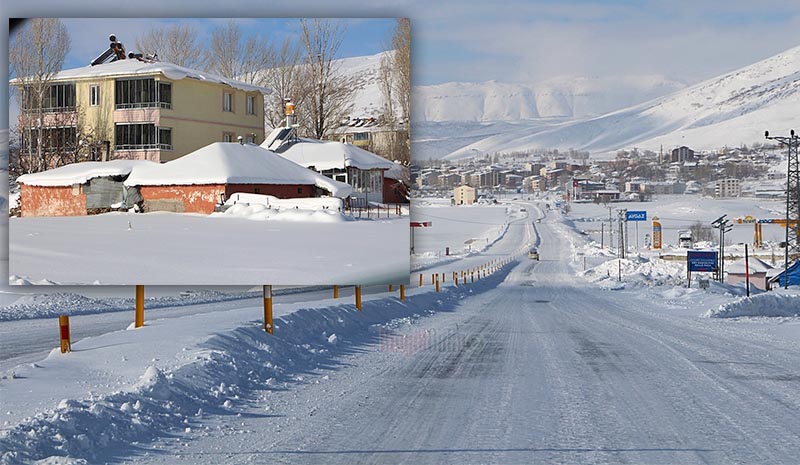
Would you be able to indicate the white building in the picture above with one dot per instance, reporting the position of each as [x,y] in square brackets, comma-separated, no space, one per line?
[730,187]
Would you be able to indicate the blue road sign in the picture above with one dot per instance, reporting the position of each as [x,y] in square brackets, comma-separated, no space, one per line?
[701,260]
[636,216]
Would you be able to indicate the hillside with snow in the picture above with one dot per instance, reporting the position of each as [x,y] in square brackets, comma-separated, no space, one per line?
[728,110]
[572,97]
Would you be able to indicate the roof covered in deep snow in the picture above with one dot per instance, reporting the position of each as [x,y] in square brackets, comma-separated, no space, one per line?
[134,67]
[233,163]
[79,173]
[331,155]
[756,266]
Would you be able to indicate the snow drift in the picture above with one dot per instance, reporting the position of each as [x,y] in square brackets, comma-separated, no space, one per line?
[768,304]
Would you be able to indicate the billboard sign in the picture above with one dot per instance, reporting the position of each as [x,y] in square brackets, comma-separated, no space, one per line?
[656,234]
[636,216]
[701,260]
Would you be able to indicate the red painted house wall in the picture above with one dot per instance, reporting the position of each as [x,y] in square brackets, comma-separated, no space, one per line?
[52,201]
[203,199]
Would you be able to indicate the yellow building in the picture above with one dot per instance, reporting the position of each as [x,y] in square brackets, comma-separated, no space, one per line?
[148,110]
[464,195]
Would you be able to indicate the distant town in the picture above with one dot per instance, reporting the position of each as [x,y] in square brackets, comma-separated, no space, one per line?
[633,175]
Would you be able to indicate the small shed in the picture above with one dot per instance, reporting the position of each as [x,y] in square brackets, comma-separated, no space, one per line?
[199,181]
[78,189]
[395,184]
[362,170]
[760,272]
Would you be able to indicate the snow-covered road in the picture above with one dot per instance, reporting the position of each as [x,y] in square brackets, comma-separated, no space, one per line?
[540,369]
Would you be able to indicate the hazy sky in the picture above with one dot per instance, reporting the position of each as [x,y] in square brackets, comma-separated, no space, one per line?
[515,40]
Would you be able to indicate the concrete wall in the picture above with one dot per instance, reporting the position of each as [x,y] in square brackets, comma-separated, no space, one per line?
[52,201]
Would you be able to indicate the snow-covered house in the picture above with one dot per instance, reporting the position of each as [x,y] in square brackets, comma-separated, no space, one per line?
[142,110]
[194,183]
[362,170]
[760,272]
[76,189]
[206,177]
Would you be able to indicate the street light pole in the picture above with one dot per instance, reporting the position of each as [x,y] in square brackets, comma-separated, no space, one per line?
[792,195]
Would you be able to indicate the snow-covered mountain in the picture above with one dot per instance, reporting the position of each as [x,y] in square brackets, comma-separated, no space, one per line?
[572,97]
[368,100]
[728,110]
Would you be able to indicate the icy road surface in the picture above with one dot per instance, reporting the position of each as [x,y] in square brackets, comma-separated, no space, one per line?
[541,369]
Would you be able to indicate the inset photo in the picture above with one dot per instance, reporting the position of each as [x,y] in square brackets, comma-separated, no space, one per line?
[209,151]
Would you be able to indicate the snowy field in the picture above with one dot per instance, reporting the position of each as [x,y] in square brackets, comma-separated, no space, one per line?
[465,230]
[246,248]
[679,212]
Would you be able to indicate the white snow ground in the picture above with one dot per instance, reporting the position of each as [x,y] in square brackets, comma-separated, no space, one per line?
[198,250]
[529,365]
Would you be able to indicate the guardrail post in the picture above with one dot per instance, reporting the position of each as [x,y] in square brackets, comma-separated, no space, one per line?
[402,292]
[138,320]
[358,297]
[335,291]
[63,326]
[268,327]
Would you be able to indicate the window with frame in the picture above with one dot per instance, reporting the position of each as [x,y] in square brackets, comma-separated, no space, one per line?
[228,136]
[227,101]
[62,139]
[251,105]
[251,139]
[58,97]
[359,136]
[142,136]
[94,95]
[142,93]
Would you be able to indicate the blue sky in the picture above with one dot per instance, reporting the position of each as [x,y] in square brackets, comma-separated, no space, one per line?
[89,35]
[516,40]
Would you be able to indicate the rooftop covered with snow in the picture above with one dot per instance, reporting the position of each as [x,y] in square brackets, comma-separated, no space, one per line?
[332,155]
[134,67]
[233,163]
[79,173]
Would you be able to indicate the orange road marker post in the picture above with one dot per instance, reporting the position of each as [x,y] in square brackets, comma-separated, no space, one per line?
[335,291]
[268,327]
[138,320]
[437,283]
[402,292]
[420,280]
[63,326]
[358,297]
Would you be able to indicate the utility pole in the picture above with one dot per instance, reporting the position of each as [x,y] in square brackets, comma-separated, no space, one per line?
[622,238]
[724,226]
[792,198]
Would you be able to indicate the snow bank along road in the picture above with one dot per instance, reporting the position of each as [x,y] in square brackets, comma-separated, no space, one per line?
[528,366]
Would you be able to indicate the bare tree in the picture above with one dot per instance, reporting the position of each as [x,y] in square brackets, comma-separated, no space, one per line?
[284,78]
[176,43]
[236,57]
[36,54]
[701,232]
[327,94]
[401,62]
[395,85]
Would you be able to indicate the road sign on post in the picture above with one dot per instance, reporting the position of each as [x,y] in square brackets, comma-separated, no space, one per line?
[702,260]
[636,216]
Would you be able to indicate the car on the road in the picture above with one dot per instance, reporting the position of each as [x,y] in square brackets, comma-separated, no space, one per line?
[533,254]
[538,220]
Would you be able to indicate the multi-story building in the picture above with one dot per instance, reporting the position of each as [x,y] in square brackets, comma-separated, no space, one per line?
[730,187]
[464,195]
[140,110]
